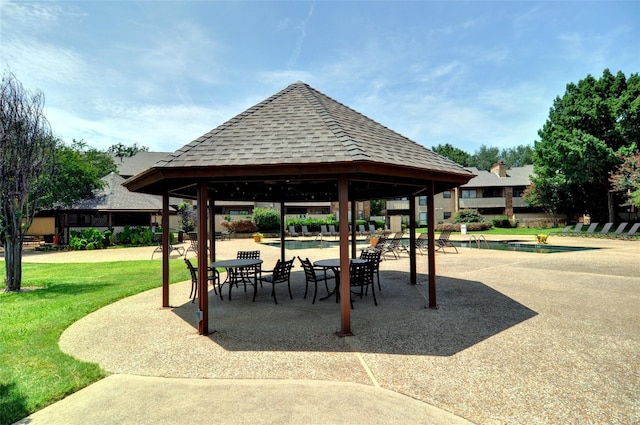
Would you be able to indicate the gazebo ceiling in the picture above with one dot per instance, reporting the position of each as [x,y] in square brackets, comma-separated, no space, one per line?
[293,146]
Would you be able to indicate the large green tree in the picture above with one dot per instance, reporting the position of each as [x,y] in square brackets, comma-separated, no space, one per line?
[626,180]
[456,155]
[588,128]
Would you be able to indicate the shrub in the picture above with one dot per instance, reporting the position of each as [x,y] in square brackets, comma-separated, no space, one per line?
[89,239]
[240,226]
[266,219]
[502,222]
[455,227]
[468,216]
[138,235]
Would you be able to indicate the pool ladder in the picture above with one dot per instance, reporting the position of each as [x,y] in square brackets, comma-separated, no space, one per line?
[478,241]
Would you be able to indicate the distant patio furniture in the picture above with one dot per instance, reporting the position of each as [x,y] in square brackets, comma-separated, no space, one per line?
[443,241]
[158,238]
[394,246]
[604,230]
[314,275]
[292,231]
[361,230]
[281,273]
[590,230]
[193,243]
[324,231]
[332,230]
[632,233]
[619,230]
[305,231]
[564,231]
[577,231]
[372,229]
[422,243]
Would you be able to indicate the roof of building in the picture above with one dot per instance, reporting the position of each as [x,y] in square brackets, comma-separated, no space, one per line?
[130,166]
[299,133]
[115,197]
[516,176]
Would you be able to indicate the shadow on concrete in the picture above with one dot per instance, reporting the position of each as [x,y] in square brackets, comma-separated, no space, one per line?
[469,312]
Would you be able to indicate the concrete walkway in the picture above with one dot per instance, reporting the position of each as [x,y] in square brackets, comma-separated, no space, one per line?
[518,338]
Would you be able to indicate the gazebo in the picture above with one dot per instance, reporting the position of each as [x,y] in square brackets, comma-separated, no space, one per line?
[299,145]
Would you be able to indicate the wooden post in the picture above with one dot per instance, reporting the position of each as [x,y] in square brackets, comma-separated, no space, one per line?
[203,296]
[165,250]
[345,287]
[431,222]
[412,241]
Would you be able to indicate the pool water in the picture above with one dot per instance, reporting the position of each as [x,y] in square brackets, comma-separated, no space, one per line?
[521,247]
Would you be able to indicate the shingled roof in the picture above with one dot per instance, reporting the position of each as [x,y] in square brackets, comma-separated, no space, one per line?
[299,134]
[114,197]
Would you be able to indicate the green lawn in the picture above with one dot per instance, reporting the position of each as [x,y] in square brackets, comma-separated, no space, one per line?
[33,371]
[504,231]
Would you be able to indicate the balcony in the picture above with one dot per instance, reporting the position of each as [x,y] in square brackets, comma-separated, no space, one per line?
[397,205]
[482,203]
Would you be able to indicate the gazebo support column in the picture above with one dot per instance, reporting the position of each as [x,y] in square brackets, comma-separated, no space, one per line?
[212,232]
[345,287]
[203,296]
[165,250]
[412,241]
[282,227]
[431,222]
[354,212]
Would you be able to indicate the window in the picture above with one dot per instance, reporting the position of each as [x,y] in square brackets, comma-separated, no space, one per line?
[446,194]
[493,192]
[518,191]
[423,219]
[422,200]
[446,214]
[468,193]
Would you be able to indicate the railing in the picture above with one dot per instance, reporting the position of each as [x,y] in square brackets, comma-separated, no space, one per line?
[478,240]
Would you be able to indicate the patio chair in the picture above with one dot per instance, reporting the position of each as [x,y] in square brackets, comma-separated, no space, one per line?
[324,231]
[632,233]
[361,230]
[213,278]
[373,256]
[158,238]
[564,231]
[305,231]
[619,230]
[422,243]
[443,241]
[590,230]
[372,229]
[292,231]
[394,246]
[332,230]
[281,273]
[247,273]
[361,276]
[193,240]
[312,275]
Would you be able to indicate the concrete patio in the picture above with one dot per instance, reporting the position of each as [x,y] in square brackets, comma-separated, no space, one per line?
[518,338]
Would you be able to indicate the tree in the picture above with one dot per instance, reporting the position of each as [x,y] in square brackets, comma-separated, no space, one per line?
[26,146]
[122,151]
[454,154]
[76,173]
[485,157]
[518,156]
[550,194]
[588,128]
[626,180]
[377,207]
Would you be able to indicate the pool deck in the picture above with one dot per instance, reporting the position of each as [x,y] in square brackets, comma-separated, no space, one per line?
[517,338]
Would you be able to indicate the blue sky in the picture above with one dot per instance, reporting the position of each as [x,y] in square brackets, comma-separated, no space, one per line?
[162,73]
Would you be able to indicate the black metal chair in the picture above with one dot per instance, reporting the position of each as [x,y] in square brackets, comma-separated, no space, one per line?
[281,273]
[361,276]
[375,256]
[213,278]
[312,275]
[247,273]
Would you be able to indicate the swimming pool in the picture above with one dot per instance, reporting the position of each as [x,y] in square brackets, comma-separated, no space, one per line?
[518,245]
[307,244]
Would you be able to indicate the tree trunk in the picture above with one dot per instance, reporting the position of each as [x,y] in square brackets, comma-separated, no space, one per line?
[612,214]
[13,263]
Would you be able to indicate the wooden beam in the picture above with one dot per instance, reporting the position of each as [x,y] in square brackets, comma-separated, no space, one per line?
[412,241]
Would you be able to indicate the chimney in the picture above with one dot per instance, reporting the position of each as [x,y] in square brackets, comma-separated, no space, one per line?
[499,169]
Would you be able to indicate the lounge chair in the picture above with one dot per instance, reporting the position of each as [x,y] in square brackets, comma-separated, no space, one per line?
[332,230]
[577,231]
[292,231]
[305,231]
[324,231]
[443,241]
[422,242]
[590,230]
[604,230]
[394,246]
[372,229]
[564,231]
[619,230]
[632,233]
[361,230]
[158,238]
